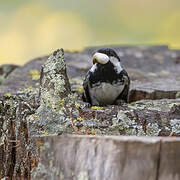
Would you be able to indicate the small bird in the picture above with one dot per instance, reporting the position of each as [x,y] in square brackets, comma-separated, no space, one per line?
[106,82]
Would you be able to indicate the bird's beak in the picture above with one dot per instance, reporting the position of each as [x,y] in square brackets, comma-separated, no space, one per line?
[100,58]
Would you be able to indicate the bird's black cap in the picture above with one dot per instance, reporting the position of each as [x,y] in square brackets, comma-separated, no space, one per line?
[109,52]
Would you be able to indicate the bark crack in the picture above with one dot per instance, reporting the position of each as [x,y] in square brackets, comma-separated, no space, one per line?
[158,161]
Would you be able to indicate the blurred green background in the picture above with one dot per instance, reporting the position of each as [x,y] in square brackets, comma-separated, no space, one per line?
[34,28]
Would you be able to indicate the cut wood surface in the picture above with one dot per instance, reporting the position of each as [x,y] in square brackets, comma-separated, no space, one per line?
[108,157]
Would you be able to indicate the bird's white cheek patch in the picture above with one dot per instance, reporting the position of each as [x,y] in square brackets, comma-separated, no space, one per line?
[93,68]
[117,64]
[100,58]
[118,67]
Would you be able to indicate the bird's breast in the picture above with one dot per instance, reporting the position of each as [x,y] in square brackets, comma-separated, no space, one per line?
[105,93]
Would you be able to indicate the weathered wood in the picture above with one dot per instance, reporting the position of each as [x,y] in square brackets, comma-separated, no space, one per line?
[158,88]
[18,153]
[108,157]
[169,166]
[88,157]
[54,83]
[7,137]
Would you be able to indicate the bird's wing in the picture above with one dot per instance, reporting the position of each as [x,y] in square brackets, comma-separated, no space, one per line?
[125,93]
[86,96]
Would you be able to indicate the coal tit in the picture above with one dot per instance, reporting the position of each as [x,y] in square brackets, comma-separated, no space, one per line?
[106,82]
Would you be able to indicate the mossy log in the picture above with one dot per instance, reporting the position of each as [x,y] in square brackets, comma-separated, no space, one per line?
[29,108]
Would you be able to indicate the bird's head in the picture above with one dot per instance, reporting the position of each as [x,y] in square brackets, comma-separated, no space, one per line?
[104,55]
[107,55]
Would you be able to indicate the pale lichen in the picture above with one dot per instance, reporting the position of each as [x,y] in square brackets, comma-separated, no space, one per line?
[178,95]
[54,89]
[125,124]
[128,125]
[154,105]
[152,129]
[55,62]
[175,124]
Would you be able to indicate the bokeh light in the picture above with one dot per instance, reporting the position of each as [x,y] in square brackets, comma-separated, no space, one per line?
[35,28]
